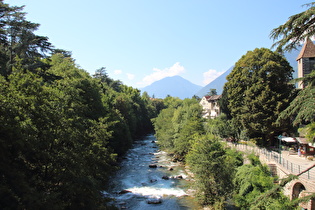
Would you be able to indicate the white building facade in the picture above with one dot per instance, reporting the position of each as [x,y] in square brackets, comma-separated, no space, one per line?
[210,105]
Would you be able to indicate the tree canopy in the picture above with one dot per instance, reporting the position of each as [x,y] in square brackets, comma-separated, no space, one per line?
[176,125]
[256,91]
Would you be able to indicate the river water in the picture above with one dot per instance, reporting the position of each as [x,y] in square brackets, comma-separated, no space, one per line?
[136,186]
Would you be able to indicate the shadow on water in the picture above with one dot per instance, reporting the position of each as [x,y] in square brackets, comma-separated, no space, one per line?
[148,179]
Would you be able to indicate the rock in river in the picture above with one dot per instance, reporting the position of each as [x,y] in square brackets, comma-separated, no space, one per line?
[124,192]
[152,166]
[165,177]
[154,201]
[179,177]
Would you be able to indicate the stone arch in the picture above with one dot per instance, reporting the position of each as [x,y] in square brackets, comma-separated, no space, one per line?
[298,187]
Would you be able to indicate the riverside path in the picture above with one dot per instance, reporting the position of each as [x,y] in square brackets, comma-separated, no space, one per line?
[282,164]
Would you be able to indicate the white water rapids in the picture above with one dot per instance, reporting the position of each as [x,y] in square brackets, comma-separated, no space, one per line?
[136,185]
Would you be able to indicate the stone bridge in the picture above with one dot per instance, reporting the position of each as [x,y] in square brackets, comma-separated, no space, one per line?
[282,164]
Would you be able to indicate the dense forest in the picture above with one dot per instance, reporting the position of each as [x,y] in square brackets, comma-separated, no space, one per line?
[62,130]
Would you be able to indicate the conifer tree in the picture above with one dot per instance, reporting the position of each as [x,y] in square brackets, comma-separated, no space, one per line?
[295,30]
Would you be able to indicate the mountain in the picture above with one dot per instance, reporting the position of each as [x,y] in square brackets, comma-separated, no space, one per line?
[175,86]
[219,82]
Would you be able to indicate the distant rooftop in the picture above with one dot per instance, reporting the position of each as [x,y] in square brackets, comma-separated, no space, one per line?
[212,98]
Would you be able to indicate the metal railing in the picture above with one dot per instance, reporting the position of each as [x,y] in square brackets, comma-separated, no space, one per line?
[305,171]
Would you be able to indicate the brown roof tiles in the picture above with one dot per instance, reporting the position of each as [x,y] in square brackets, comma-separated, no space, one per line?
[213,98]
[308,50]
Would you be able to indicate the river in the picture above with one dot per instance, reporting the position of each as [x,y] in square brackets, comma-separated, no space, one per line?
[136,185]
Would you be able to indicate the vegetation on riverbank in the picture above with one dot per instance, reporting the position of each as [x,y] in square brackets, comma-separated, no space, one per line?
[61,129]
[219,173]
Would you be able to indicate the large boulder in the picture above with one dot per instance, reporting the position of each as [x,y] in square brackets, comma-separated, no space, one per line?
[152,166]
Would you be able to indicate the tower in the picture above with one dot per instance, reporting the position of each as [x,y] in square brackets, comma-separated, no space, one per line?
[306,60]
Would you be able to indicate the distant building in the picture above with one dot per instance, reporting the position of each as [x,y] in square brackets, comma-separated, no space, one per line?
[306,60]
[210,105]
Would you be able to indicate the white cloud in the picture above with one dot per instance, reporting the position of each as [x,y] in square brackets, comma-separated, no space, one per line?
[159,74]
[211,75]
[130,76]
[117,72]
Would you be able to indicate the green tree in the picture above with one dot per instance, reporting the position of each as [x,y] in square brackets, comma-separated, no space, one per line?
[254,188]
[61,129]
[257,90]
[187,122]
[213,167]
[212,92]
[221,127]
[299,27]
[68,136]
[18,39]
[54,139]
[163,123]
[164,129]
[301,110]
[177,125]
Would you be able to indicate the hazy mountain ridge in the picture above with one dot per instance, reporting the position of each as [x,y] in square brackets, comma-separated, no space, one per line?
[175,86]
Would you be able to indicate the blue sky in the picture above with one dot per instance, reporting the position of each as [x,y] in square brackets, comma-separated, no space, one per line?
[141,41]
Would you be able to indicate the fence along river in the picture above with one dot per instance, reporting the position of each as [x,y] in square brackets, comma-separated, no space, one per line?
[148,179]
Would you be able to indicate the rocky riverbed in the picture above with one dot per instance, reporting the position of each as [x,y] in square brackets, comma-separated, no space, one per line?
[149,179]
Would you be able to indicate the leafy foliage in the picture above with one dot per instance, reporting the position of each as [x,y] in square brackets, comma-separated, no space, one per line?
[214,168]
[219,173]
[254,188]
[301,110]
[302,107]
[177,125]
[222,127]
[256,91]
[61,129]
[180,129]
